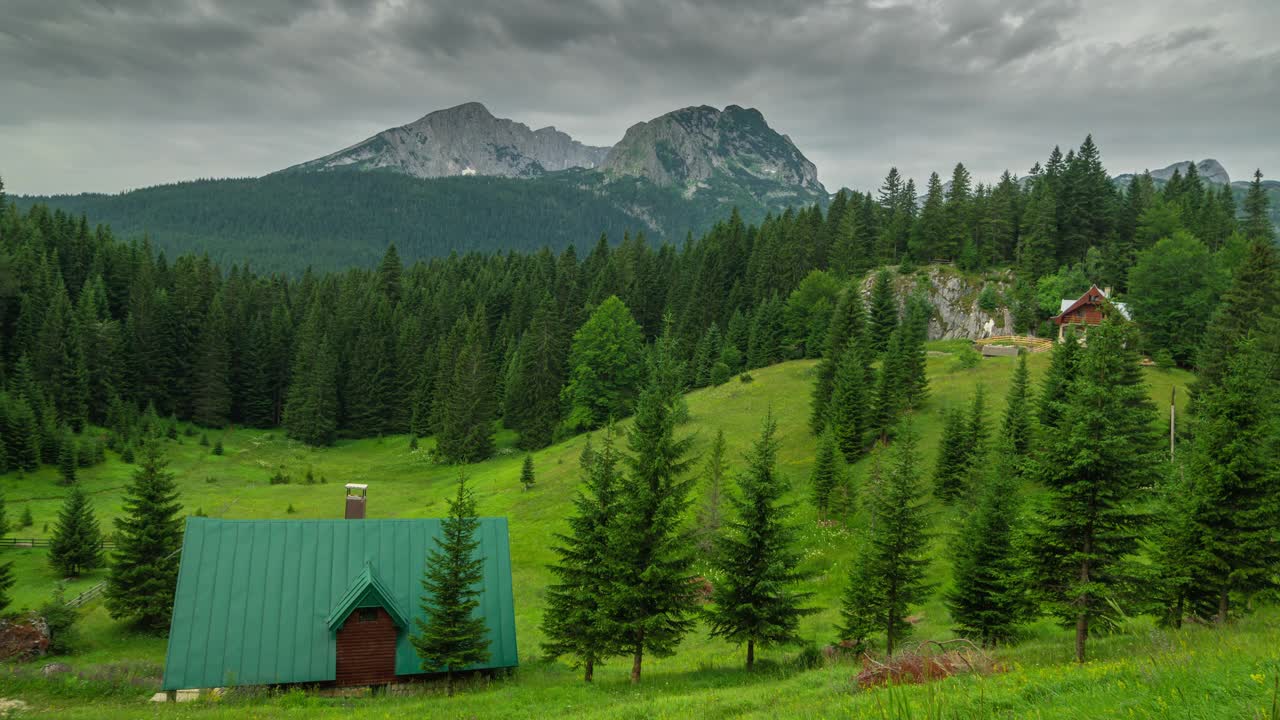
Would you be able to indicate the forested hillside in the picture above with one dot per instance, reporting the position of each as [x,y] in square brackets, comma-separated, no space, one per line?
[95,331]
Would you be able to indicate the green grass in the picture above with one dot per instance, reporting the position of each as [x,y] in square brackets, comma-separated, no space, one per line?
[704,677]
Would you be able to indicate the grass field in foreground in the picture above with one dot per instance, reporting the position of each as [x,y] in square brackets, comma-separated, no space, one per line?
[704,674]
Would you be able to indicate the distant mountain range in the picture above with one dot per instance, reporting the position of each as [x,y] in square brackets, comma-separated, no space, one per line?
[460,179]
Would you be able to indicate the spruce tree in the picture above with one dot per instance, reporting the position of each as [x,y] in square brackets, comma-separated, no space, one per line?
[67,457]
[453,636]
[1257,223]
[651,604]
[848,322]
[887,400]
[913,356]
[883,311]
[757,602]
[986,598]
[1250,305]
[1057,380]
[311,408]
[76,545]
[824,477]
[6,569]
[847,409]
[975,430]
[526,473]
[575,622]
[715,473]
[466,425]
[211,402]
[1235,460]
[1104,449]
[1016,428]
[951,473]
[22,435]
[144,569]
[888,578]
[534,396]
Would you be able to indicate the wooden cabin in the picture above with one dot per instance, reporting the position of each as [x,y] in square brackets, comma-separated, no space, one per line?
[1081,313]
[317,602]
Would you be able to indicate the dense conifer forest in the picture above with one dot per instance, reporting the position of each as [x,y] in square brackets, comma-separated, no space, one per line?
[97,331]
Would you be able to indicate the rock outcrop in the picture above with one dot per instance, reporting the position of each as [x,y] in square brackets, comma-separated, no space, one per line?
[464,140]
[956,313]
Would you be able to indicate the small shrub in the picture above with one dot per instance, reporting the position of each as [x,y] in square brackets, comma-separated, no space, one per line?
[279,478]
[906,267]
[989,299]
[1164,359]
[720,373]
[322,480]
[810,657]
[199,513]
[310,478]
[211,479]
[289,510]
[171,432]
[63,636]
[84,453]
[204,440]
[746,378]
[966,359]
[217,447]
[26,521]
[126,455]
[188,431]
[413,443]
[99,451]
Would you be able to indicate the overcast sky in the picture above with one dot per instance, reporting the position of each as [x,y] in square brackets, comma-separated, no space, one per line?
[108,95]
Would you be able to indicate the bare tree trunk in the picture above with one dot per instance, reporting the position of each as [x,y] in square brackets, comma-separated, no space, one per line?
[751,653]
[448,682]
[637,659]
[589,671]
[1224,605]
[1082,633]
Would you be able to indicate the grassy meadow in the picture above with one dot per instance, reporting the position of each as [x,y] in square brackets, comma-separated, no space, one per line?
[1143,672]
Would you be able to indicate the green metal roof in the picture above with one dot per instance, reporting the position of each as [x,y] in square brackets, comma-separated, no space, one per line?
[256,599]
[366,591]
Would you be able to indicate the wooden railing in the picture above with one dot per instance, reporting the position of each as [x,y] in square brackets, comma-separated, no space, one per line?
[39,542]
[1033,344]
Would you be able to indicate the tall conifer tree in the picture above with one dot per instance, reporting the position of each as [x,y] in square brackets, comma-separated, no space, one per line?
[144,569]
[757,601]
[76,545]
[452,636]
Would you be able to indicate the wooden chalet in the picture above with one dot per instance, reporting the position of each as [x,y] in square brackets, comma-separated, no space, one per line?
[1085,311]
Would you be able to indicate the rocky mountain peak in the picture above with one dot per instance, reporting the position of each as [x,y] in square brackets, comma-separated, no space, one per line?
[465,139]
[698,148]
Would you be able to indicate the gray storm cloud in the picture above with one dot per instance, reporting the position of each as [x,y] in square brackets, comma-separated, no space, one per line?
[113,95]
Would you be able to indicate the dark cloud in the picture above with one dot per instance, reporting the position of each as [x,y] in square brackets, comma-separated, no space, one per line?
[115,94]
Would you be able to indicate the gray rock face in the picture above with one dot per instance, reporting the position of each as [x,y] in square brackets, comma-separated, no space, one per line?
[956,314]
[696,147]
[464,140]
[1209,170]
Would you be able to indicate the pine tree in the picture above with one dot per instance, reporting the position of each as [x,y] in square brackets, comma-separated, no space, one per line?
[144,569]
[889,575]
[67,458]
[575,622]
[6,569]
[975,431]
[453,636]
[211,402]
[848,322]
[1257,221]
[888,399]
[311,408]
[951,473]
[1102,451]
[389,272]
[1249,306]
[1015,428]
[1053,388]
[915,332]
[757,602]
[651,603]
[22,435]
[824,476]
[847,410]
[526,473]
[883,311]
[986,598]
[709,513]
[466,426]
[534,396]
[76,545]
[1235,460]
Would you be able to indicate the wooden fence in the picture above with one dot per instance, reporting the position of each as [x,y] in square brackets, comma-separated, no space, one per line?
[40,542]
[1032,344]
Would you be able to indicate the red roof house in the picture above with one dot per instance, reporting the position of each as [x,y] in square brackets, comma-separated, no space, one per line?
[1085,311]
